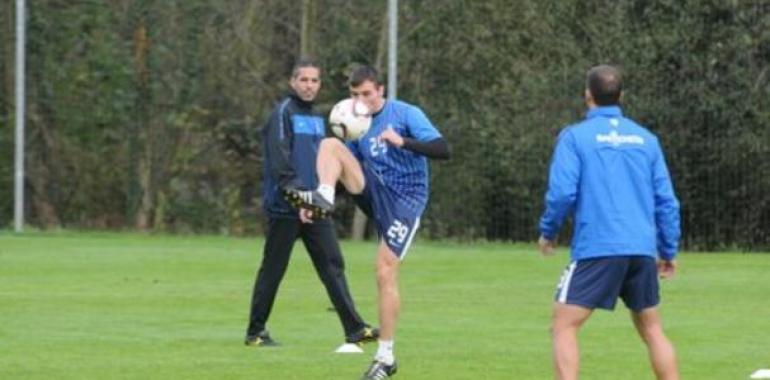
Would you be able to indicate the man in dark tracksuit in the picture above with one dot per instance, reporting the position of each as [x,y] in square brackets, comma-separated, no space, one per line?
[291,137]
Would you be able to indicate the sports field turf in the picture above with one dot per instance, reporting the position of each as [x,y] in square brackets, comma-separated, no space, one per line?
[128,306]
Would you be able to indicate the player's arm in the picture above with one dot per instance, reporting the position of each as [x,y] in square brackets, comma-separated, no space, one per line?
[436,148]
[278,139]
[425,138]
[562,186]
[666,208]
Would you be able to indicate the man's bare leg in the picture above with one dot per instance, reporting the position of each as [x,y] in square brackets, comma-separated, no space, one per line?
[336,162]
[387,266]
[660,349]
[567,320]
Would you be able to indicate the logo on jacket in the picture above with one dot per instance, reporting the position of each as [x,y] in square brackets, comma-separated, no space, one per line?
[308,125]
[615,139]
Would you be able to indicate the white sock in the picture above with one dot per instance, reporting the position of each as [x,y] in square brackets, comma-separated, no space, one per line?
[385,352]
[327,192]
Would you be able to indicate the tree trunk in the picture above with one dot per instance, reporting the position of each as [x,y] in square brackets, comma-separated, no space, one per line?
[8,62]
[140,199]
[147,185]
[43,158]
[41,162]
[307,37]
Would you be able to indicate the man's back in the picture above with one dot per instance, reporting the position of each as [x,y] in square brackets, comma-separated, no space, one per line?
[613,173]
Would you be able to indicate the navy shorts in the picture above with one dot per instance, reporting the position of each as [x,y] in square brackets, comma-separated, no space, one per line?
[396,224]
[597,283]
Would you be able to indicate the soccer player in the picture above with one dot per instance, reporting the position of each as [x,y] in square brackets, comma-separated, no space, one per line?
[387,171]
[291,138]
[612,173]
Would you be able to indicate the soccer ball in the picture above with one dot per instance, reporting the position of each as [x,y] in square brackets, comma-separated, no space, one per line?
[350,119]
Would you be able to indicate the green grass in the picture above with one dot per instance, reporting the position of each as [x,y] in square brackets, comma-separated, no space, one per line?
[128,306]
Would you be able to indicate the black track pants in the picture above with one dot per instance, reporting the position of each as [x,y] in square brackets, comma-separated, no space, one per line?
[320,240]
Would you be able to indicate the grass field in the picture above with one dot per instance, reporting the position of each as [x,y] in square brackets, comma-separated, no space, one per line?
[128,306]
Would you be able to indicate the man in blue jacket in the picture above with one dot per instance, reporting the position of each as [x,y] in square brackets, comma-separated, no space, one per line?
[611,175]
[291,138]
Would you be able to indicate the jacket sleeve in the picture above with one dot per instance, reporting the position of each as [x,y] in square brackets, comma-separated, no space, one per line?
[666,209]
[563,179]
[279,136]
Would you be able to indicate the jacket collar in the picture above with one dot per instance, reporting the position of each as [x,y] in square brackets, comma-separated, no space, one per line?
[299,100]
[604,111]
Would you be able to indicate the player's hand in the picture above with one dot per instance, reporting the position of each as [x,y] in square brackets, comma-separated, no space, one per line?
[666,268]
[393,138]
[305,215]
[547,247]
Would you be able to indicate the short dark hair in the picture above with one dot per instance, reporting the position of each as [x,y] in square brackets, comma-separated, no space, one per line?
[302,63]
[363,73]
[605,84]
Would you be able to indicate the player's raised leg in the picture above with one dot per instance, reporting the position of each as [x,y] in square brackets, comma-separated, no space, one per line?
[335,163]
[567,320]
[661,351]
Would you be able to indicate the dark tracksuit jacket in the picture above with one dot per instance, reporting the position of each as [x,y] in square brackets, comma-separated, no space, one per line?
[291,138]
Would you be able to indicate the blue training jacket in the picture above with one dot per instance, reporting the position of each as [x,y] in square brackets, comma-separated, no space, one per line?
[290,138]
[611,175]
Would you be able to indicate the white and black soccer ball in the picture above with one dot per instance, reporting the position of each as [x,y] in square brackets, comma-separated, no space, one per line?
[350,119]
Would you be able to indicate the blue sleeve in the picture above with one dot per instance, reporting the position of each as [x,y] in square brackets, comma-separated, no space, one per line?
[563,180]
[419,126]
[666,208]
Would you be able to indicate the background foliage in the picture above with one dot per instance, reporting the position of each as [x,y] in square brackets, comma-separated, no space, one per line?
[144,114]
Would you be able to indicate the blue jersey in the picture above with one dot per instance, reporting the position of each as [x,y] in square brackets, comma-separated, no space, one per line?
[401,171]
[612,174]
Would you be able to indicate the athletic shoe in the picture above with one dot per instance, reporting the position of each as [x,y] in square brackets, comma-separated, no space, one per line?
[379,371]
[262,339]
[365,335]
[309,199]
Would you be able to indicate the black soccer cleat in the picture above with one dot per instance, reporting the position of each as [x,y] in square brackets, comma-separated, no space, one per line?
[379,371]
[309,199]
[365,335]
[262,339]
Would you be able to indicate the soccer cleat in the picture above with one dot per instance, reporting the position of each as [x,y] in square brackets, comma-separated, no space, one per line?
[309,199]
[365,335]
[262,339]
[379,371]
